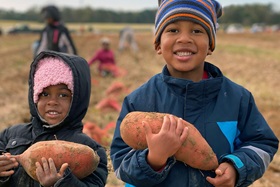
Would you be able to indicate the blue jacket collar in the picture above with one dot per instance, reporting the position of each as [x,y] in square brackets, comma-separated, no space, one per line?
[204,89]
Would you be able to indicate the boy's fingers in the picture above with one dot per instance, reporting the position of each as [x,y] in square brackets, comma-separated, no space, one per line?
[221,169]
[52,165]
[63,168]
[8,166]
[180,127]
[45,165]
[6,173]
[147,128]
[39,170]
[8,155]
[210,180]
[173,123]
[184,135]
[166,123]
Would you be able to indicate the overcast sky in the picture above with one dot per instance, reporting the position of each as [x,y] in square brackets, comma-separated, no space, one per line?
[125,5]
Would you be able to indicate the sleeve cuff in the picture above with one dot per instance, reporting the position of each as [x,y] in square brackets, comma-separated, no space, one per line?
[238,165]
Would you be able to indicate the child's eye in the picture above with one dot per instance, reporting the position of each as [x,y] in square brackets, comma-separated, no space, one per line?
[44,94]
[63,95]
[197,31]
[173,30]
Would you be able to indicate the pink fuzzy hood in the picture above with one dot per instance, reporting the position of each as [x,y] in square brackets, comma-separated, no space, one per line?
[51,71]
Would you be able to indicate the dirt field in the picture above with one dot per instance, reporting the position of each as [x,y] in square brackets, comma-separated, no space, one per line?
[252,60]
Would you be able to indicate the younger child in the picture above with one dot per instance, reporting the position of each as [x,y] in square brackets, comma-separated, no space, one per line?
[106,59]
[59,94]
[195,90]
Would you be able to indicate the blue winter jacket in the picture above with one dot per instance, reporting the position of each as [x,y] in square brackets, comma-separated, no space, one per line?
[225,114]
[17,138]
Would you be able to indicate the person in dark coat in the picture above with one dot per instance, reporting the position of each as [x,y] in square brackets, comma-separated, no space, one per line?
[55,36]
[59,95]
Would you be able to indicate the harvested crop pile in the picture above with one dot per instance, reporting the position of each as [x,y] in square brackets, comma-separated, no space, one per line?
[195,152]
[82,159]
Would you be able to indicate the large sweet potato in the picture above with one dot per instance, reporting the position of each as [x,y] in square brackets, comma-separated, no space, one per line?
[82,159]
[195,152]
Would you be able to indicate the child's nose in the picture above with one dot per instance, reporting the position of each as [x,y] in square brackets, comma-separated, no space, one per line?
[53,100]
[185,37]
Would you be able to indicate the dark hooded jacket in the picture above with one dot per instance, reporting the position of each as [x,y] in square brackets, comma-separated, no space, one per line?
[224,113]
[17,138]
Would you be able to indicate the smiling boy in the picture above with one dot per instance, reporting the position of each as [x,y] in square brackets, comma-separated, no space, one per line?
[190,88]
[184,46]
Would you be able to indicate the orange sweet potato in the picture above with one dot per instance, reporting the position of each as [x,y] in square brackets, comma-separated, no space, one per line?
[195,152]
[82,159]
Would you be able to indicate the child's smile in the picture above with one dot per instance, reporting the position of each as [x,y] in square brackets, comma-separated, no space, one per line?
[184,45]
[52,114]
[54,103]
[183,54]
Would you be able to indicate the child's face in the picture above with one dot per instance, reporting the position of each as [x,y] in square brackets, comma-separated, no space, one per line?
[106,46]
[184,45]
[54,103]
[49,20]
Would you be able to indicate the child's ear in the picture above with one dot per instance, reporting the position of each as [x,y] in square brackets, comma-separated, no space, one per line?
[209,52]
[158,49]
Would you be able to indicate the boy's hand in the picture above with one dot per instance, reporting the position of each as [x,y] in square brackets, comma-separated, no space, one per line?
[225,176]
[7,163]
[47,173]
[166,143]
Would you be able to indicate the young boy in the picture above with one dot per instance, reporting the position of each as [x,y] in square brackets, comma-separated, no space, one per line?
[55,36]
[59,94]
[191,88]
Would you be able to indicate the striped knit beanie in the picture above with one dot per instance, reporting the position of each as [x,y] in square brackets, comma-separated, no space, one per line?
[203,12]
[51,71]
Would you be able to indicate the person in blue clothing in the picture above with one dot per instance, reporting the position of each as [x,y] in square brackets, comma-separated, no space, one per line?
[59,95]
[195,90]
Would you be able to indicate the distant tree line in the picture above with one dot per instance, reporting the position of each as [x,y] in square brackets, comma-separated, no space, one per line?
[250,14]
[243,14]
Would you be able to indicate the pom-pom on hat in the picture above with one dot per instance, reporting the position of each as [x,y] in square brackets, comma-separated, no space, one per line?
[51,71]
[203,12]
